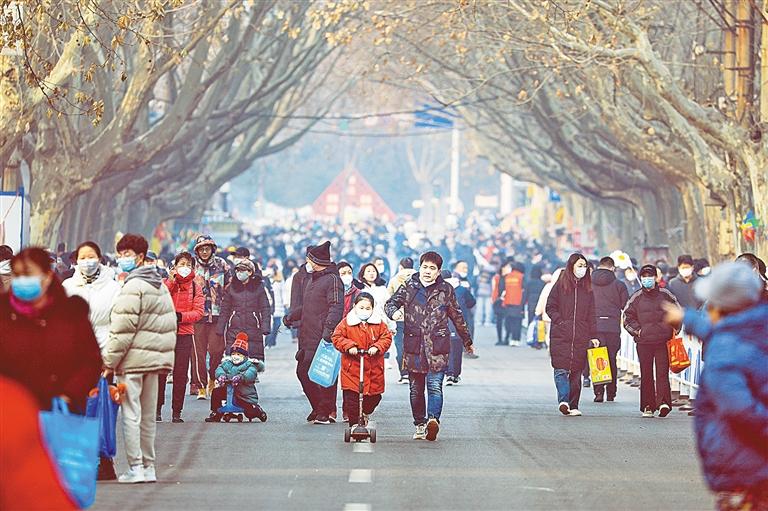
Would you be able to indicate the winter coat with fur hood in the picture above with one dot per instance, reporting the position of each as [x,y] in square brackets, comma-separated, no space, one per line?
[352,332]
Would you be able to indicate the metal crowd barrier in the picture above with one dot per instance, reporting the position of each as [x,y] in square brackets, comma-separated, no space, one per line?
[685,383]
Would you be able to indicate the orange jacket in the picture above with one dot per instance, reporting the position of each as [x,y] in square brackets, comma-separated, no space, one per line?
[353,333]
[513,288]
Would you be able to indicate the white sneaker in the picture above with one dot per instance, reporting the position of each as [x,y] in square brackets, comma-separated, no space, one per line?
[647,413]
[574,413]
[421,432]
[134,474]
[564,408]
[664,410]
[149,474]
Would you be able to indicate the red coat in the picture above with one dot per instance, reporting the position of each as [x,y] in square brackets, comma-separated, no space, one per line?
[188,300]
[53,353]
[353,333]
[29,478]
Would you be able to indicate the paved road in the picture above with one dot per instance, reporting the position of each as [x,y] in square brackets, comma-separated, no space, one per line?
[502,445]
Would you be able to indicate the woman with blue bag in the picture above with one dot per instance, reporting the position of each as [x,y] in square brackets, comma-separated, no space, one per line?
[37,317]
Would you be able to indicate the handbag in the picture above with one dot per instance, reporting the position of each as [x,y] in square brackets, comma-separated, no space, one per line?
[599,365]
[73,444]
[678,355]
[101,406]
[326,365]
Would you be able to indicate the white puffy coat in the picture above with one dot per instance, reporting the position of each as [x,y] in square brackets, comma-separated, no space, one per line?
[100,295]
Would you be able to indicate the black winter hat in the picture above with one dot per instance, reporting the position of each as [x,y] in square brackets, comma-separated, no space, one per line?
[243,252]
[648,269]
[321,254]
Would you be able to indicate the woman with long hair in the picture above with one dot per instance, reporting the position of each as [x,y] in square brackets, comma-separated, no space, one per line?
[571,307]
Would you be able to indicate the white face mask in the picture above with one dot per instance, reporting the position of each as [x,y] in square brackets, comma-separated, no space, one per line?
[88,266]
[364,315]
[686,272]
[705,271]
[5,267]
[347,280]
[237,358]
[309,268]
[579,273]
[184,271]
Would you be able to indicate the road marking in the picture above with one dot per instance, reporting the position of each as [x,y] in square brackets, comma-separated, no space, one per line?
[290,493]
[538,488]
[357,507]
[362,447]
[360,475]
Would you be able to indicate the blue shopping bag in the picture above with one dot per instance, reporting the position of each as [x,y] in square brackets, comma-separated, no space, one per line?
[326,365]
[104,409]
[73,444]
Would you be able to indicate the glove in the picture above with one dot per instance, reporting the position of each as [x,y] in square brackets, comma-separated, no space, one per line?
[222,380]
[286,322]
[178,317]
[237,379]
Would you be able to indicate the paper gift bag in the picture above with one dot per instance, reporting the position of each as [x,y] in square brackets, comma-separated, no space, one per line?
[599,365]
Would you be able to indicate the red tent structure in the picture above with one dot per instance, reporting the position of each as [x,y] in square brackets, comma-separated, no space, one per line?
[351,198]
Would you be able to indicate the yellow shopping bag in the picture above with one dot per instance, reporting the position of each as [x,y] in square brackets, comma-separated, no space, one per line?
[541,331]
[599,366]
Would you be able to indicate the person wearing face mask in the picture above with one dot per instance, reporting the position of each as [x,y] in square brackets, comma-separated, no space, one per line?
[96,284]
[320,311]
[214,272]
[363,328]
[571,308]
[682,285]
[245,308]
[186,290]
[731,405]
[631,281]
[701,267]
[6,253]
[382,266]
[241,371]
[141,343]
[644,320]
[48,344]
[350,289]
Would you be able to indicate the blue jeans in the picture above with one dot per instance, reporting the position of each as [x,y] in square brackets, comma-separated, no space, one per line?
[455,356]
[434,387]
[399,347]
[568,384]
[272,337]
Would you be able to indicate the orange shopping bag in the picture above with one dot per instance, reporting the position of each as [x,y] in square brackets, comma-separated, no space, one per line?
[678,355]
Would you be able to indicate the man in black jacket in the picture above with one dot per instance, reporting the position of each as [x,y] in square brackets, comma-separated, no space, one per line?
[644,319]
[610,298]
[321,309]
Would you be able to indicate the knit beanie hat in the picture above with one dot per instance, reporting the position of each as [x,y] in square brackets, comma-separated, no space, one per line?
[241,344]
[321,254]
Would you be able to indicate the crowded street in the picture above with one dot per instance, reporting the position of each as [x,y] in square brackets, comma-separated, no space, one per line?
[501,448]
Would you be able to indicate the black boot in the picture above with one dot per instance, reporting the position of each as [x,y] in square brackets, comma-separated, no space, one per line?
[106,470]
[214,417]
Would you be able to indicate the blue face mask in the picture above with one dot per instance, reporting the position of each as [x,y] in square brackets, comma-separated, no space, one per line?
[127,264]
[648,282]
[27,289]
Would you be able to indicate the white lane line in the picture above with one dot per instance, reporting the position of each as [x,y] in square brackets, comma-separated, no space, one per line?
[538,488]
[360,475]
[357,507]
[362,447]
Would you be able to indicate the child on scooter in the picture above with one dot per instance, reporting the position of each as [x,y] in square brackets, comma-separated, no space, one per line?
[362,329]
[237,369]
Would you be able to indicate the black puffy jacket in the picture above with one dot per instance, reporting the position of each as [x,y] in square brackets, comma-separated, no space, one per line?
[573,324]
[321,309]
[610,299]
[246,308]
[644,316]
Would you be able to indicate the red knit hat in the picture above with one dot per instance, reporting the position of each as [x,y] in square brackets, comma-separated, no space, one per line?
[241,344]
